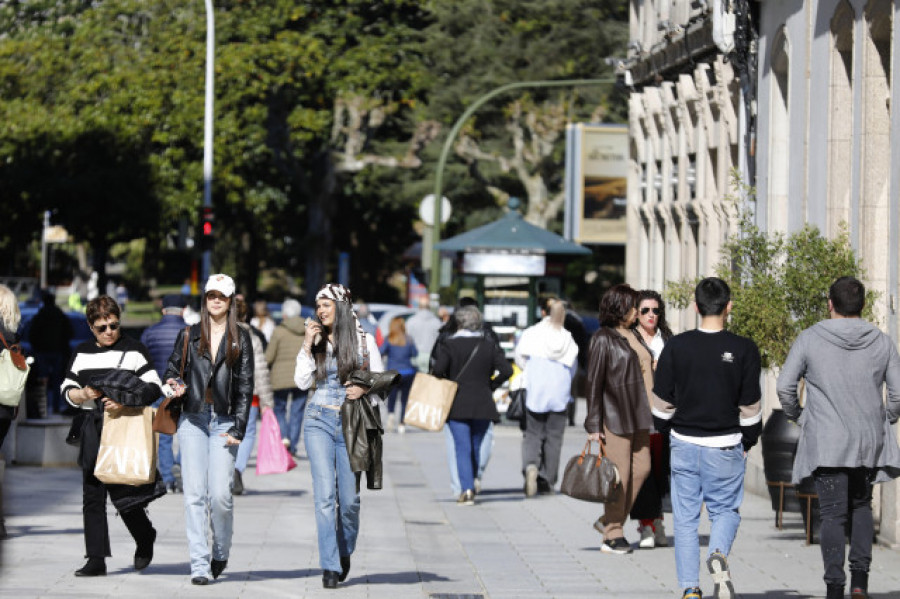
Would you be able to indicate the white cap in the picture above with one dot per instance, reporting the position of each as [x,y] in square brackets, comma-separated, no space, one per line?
[221,283]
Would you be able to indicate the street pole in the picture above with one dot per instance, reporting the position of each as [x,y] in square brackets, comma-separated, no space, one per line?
[206,263]
[44,259]
[434,282]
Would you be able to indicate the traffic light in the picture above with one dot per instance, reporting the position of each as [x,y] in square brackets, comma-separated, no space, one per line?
[207,229]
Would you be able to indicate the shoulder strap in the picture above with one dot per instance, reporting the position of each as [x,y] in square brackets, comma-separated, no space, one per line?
[365,352]
[472,355]
[187,335]
[15,354]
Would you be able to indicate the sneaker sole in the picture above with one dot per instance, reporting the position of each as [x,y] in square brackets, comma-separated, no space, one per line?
[724,589]
[647,543]
[604,548]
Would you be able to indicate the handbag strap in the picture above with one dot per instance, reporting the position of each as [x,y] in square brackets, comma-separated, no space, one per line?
[365,352]
[472,355]
[15,355]
[187,333]
[587,448]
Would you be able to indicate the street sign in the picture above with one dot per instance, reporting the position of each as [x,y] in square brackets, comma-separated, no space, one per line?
[426,210]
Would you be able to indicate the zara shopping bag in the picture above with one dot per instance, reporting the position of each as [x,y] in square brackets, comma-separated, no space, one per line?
[272,457]
[590,477]
[430,399]
[127,454]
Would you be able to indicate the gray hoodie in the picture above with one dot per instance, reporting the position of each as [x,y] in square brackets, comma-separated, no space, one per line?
[845,423]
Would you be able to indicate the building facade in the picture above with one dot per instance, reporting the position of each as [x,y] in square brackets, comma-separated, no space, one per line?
[794,96]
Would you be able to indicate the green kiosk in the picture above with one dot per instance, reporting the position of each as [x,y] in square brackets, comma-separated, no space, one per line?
[507,266]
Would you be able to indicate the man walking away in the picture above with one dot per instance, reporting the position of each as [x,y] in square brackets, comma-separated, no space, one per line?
[160,341]
[49,334]
[706,394]
[846,442]
[423,327]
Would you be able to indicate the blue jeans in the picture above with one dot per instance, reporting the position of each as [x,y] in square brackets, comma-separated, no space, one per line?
[467,438]
[207,473]
[484,456]
[290,430]
[714,476]
[334,486]
[401,391]
[166,456]
[249,440]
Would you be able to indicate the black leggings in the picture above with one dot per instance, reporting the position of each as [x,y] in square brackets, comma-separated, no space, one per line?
[845,493]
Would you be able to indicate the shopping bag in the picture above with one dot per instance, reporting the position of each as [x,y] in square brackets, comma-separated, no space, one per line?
[272,457]
[13,374]
[590,477]
[127,454]
[430,399]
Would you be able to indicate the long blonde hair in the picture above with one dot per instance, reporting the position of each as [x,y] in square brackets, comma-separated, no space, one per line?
[9,310]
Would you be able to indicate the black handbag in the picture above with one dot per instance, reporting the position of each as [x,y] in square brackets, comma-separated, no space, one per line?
[516,408]
[590,477]
[74,436]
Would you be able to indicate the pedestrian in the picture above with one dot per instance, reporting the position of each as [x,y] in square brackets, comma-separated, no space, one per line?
[398,352]
[262,320]
[548,357]
[423,327]
[846,442]
[215,409]
[366,320]
[707,393]
[160,342]
[617,409]
[334,346]
[109,350]
[281,357]
[49,334]
[10,316]
[652,332]
[262,395]
[470,359]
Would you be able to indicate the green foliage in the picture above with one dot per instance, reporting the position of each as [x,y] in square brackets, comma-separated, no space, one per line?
[779,283]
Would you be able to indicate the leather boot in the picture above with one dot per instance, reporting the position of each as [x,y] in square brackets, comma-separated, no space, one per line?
[835,591]
[859,584]
[95,566]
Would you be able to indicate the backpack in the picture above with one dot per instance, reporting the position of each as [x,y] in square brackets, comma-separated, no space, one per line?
[13,374]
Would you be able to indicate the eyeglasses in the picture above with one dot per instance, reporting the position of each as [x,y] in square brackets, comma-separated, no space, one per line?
[645,310]
[217,296]
[113,326]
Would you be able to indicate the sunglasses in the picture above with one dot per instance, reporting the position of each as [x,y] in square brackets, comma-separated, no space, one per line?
[217,296]
[113,326]
[645,310]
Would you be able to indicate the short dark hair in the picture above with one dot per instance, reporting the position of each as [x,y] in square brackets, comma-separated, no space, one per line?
[848,296]
[101,307]
[712,295]
[615,304]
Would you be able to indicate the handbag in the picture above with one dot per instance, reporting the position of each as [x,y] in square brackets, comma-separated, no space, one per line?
[13,373]
[590,477]
[430,399]
[272,457]
[74,435]
[127,454]
[516,409]
[167,415]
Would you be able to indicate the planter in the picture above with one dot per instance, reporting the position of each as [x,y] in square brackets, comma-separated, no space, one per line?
[779,445]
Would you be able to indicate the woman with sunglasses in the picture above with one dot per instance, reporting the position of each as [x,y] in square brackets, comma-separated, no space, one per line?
[108,351]
[218,391]
[334,346]
[652,331]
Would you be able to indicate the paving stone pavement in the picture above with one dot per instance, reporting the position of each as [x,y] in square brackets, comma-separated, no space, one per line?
[414,540]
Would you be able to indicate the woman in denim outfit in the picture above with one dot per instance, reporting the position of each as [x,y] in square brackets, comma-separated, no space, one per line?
[333,348]
[215,409]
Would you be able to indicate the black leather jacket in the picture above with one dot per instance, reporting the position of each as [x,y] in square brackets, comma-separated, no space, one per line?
[232,388]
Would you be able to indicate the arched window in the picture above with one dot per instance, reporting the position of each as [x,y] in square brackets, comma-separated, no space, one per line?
[779,135]
[840,123]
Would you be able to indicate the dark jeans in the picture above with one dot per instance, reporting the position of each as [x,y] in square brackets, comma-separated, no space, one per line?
[96,529]
[401,390]
[52,366]
[542,443]
[845,494]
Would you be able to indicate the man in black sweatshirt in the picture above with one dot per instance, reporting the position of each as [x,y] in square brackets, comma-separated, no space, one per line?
[706,395]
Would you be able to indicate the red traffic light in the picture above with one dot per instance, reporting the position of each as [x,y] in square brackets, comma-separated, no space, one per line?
[207,229]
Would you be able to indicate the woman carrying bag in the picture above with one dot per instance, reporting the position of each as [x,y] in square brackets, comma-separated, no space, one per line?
[332,349]
[215,408]
[108,351]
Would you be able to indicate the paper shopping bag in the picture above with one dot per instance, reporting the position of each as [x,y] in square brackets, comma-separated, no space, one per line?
[430,399]
[127,454]
[272,457]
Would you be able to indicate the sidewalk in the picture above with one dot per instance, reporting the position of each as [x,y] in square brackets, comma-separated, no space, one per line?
[414,541]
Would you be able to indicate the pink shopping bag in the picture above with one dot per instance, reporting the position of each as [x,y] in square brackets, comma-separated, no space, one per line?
[272,457]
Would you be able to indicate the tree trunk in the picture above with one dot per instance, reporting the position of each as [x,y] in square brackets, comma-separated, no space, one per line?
[319,234]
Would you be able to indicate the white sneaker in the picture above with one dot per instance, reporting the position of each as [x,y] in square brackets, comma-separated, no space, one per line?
[401,428]
[286,443]
[391,423]
[531,476]
[647,540]
[477,486]
[659,533]
[718,568]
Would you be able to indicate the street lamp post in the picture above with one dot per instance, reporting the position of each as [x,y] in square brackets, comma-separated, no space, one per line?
[434,282]
[208,128]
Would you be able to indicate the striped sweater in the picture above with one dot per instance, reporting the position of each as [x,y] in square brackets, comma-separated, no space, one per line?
[90,359]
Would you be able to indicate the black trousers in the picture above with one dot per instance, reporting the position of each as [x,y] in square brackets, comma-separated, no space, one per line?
[845,497]
[96,528]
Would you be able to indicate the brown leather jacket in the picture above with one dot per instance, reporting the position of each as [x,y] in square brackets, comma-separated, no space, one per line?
[616,396]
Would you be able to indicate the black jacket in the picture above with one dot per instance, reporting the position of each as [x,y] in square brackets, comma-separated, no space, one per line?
[361,425]
[232,388]
[474,396]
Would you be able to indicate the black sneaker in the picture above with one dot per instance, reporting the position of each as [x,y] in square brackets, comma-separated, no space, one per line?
[718,568]
[618,546]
